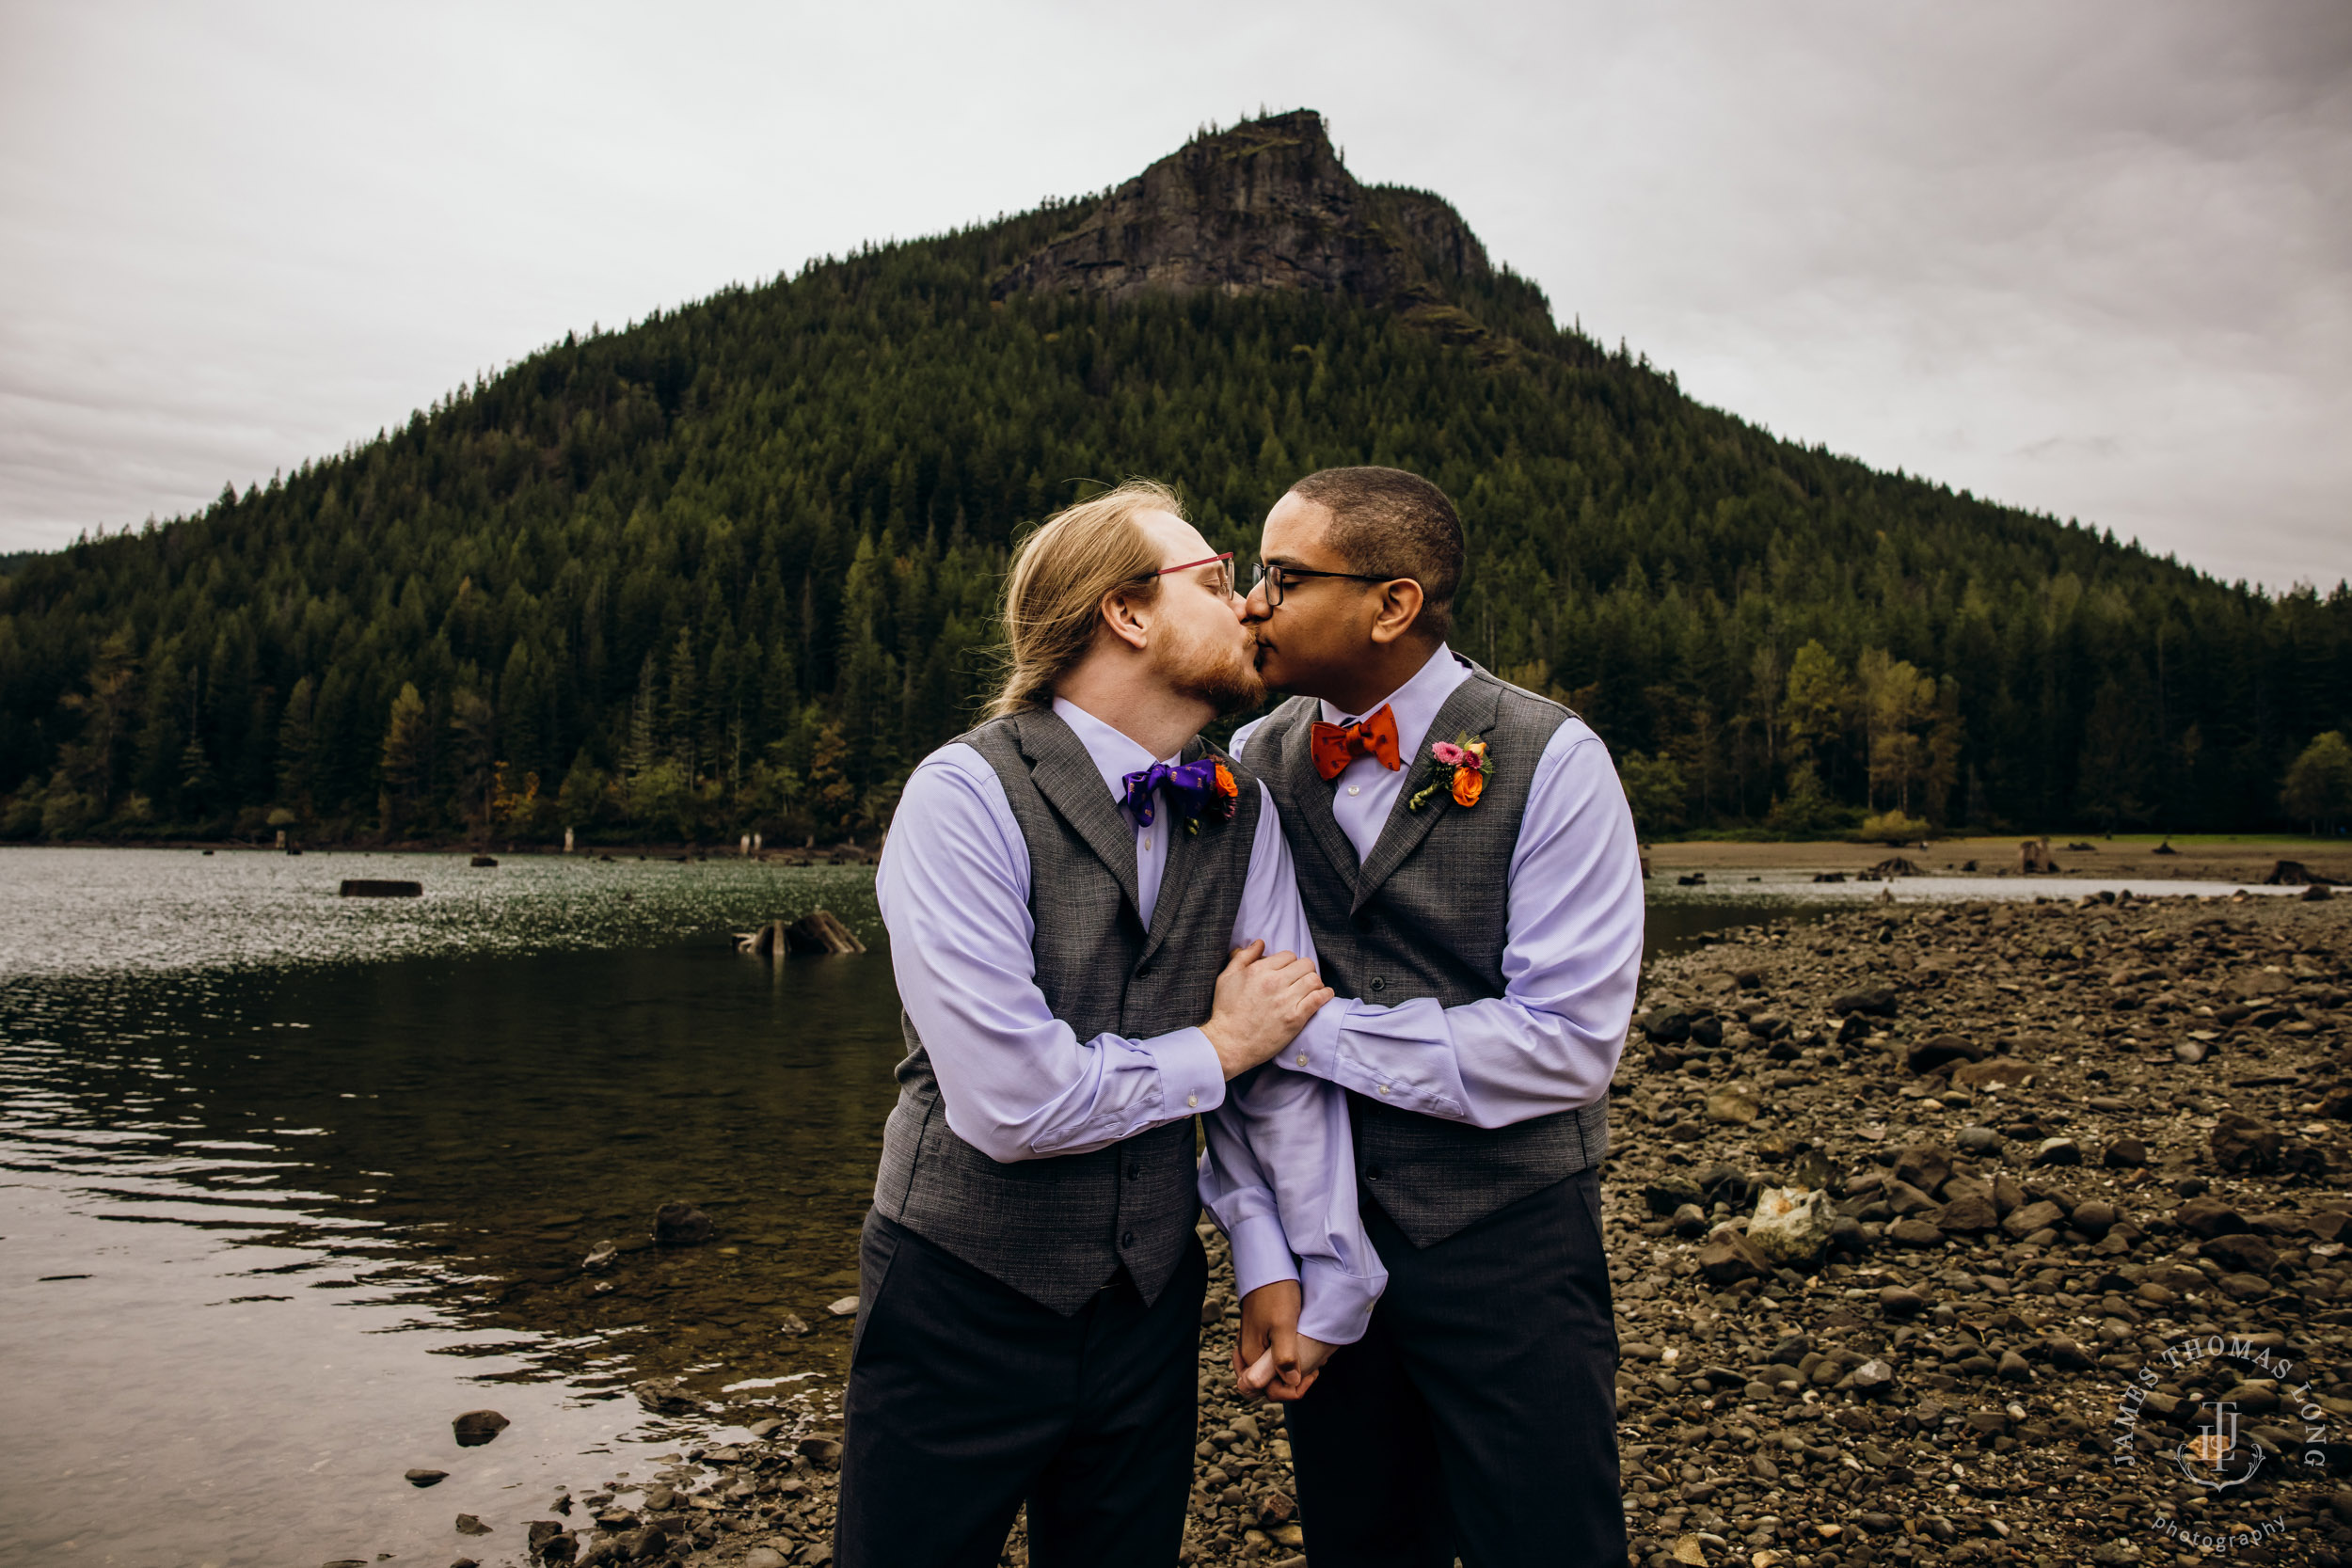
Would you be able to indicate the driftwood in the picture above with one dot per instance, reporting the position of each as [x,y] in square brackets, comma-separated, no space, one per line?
[817,931]
[1896,865]
[362,887]
[2033,858]
[2296,874]
[482,860]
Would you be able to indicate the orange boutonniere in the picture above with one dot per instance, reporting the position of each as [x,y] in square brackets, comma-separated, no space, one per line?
[1460,769]
[1224,795]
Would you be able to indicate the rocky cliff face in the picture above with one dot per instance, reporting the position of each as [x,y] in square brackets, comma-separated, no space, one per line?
[1265,205]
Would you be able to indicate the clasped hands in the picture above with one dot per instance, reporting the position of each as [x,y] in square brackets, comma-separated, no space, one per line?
[1270,1356]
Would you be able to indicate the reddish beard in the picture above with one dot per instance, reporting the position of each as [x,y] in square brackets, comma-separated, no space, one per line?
[1225,678]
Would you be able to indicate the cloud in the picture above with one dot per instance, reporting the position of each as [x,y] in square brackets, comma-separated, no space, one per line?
[2092,260]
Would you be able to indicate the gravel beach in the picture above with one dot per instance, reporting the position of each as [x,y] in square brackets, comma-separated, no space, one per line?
[2004,1232]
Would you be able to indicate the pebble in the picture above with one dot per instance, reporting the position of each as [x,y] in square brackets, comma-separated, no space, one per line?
[477,1427]
[681,1224]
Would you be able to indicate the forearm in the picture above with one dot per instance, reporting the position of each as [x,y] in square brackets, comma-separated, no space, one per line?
[1017,1082]
[1280,1176]
[1571,964]
[1489,1063]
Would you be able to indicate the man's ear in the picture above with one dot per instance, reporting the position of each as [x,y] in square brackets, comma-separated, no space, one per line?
[1126,619]
[1400,608]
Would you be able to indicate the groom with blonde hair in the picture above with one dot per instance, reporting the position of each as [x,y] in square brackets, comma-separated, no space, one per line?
[1097,938]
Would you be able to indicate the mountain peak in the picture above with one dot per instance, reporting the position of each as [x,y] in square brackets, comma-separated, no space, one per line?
[1265,205]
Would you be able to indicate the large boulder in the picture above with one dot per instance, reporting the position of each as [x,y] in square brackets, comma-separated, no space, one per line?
[2024,1222]
[2244,1142]
[1671,1191]
[2240,1253]
[1925,1166]
[1728,1257]
[1938,1051]
[2207,1217]
[1878,1001]
[1969,1214]
[1791,1225]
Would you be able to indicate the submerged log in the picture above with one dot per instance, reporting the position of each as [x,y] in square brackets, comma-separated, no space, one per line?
[483,860]
[818,931]
[363,887]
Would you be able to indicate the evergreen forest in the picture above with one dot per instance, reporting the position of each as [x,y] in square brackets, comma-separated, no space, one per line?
[735,569]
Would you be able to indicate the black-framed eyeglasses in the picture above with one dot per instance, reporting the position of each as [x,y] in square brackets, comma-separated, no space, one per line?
[1277,578]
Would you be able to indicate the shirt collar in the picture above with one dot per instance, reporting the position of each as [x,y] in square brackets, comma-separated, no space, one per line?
[1115,755]
[1415,703]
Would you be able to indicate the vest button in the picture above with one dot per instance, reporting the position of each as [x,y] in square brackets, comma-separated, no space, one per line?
[1379,983]
[1372,1173]
[1134,1169]
[1128,1240]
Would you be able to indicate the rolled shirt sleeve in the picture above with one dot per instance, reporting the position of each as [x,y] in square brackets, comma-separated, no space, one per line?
[1016,1082]
[1279,1173]
[1571,963]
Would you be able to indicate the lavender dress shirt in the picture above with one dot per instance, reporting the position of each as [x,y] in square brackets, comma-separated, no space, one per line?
[1571,963]
[1018,1084]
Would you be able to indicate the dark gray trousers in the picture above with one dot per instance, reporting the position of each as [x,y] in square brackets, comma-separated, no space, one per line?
[1477,1418]
[966,1398]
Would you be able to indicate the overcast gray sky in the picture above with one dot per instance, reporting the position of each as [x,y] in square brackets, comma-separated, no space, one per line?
[2092,258]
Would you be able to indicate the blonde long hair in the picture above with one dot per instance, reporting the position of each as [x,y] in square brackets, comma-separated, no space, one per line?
[1060,576]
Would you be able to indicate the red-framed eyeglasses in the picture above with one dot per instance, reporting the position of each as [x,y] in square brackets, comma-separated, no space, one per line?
[1225,557]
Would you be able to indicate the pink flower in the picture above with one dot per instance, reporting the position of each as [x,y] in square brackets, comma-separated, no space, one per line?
[1449,754]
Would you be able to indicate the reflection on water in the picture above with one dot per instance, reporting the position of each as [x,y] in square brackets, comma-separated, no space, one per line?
[289,1180]
[270,1221]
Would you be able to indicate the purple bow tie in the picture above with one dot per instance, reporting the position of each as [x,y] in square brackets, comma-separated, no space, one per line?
[1190,782]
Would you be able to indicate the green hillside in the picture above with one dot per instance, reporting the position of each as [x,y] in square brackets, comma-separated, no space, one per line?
[733,568]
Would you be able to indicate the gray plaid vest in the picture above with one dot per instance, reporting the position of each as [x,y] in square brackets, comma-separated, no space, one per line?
[1425,915]
[1057,1228]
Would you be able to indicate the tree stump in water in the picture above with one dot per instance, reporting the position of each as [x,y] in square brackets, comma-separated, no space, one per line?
[2033,858]
[818,931]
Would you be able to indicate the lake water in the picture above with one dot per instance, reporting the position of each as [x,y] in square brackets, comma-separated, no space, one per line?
[289,1180]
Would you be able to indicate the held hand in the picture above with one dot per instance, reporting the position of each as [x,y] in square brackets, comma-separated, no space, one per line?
[1270,1356]
[1262,1003]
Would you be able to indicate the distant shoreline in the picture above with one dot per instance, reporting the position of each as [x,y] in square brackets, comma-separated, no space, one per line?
[2209,858]
[2194,857]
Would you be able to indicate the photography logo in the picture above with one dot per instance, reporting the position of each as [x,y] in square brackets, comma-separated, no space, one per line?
[2213,1458]
[2262,1417]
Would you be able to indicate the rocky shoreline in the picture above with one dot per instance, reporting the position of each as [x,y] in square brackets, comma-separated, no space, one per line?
[1935,1231]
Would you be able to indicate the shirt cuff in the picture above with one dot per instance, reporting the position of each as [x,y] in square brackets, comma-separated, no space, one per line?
[1191,1077]
[1335,1305]
[1315,1052]
[1261,1254]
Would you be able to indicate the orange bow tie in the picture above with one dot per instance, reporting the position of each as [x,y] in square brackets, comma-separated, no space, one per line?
[1337,745]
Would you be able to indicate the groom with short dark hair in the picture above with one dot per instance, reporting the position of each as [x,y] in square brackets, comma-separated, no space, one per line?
[1470,876]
